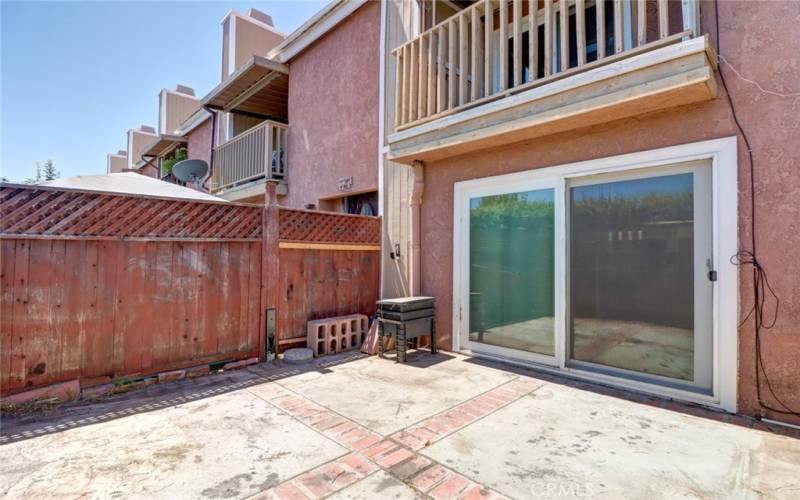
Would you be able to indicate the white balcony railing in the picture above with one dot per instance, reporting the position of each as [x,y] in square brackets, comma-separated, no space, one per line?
[461,61]
[258,153]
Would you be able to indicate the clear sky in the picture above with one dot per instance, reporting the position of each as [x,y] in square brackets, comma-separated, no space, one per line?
[76,75]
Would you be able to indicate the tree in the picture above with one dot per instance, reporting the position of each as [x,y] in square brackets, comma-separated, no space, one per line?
[47,172]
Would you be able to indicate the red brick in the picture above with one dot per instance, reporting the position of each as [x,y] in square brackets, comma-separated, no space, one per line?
[171,376]
[288,491]
[365,442]
[197,371]
[395,457]
[379,448]
[410,468]
[233,365]
[480,493]
[450,488]
[327,423]
[429,478]
[342,429]
[359,464]
[63,391]
[412,441]
[353,436]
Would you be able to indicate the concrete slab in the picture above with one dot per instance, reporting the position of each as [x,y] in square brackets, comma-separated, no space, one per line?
[378,485]
[228,446]
[564,442]
[386,396]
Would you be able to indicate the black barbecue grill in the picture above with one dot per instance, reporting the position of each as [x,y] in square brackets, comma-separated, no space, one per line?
[406,319]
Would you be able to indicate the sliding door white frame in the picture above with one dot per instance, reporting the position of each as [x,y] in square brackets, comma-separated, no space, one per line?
[722,154]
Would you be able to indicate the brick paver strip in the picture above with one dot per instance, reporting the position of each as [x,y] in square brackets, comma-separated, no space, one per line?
[396,454]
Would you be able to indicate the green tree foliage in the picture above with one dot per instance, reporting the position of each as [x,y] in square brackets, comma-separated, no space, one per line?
[170,162]
[46,172]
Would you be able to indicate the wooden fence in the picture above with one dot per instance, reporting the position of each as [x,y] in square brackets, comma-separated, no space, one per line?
[98,284]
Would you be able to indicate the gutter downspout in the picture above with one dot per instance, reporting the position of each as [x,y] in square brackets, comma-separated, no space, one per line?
[415,202]
[213,145]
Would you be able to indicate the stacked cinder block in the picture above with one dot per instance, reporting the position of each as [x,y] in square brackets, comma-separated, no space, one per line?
[332,335]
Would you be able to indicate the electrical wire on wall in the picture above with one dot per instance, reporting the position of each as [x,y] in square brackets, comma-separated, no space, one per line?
[762,291]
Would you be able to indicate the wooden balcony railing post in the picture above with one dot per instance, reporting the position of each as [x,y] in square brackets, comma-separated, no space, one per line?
[503,45]
[563,18]
[601,29]
[476,53]
[517,28]
[488,34]
[580,31]
[462,59]
[413,98]
[422,101]
[441,102]
[548,37]
[451,62]
[618,31]
[431,74]
[641,18]
[663,19]
[533,38]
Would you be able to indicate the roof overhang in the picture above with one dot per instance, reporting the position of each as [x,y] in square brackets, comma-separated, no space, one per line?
[195,120]
[162,145]
[260,87]
[314,29]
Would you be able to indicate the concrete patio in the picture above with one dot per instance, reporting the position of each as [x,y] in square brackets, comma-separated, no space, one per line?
[351,426]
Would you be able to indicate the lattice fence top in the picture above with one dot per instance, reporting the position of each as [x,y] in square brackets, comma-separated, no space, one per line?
[44,211]
[328,227]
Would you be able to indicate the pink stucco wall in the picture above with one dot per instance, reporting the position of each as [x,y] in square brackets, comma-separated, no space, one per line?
[760,39]
[333,111]
[198,141]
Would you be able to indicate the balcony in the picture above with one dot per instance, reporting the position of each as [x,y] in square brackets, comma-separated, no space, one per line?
[241,165]
[459,89]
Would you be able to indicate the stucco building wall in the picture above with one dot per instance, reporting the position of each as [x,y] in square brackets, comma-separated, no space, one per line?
[771,122]
[333,111]
[198,142]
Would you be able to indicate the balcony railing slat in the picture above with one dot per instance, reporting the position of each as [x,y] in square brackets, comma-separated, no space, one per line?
[475,66]
[618,46]
[580,31]
[503,76]
[548,37]
[517,24]
[563,20]
[663,19]
[456,63]
[451,61]
[641,18]
[441,102]
[488,32]
[601,29]
[533,38]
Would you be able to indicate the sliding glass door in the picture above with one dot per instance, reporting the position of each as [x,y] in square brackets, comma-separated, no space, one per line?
[609,274]
[640,295]
[512,271]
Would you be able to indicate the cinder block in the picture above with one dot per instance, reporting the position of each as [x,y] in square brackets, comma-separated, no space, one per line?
[64,391]
[333,335]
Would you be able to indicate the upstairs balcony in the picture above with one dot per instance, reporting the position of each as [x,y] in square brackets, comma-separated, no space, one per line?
[253,107]
[502,71]
[242,165]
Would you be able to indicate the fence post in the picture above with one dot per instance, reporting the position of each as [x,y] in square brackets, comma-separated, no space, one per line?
[269,262]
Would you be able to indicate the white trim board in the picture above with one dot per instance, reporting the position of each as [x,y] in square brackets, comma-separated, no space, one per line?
[723,156]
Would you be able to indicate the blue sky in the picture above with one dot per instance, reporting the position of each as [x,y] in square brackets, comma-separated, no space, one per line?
[75,76]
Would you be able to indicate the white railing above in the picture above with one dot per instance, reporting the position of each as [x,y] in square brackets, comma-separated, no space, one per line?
[258,153]
[461,61]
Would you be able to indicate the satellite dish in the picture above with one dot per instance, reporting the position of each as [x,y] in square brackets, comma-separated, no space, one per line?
[190,170]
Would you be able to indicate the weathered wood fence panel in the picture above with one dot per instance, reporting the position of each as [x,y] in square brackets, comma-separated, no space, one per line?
[87,308]
[101,284]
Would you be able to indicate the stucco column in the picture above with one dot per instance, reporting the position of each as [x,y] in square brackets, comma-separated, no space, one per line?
[415,201]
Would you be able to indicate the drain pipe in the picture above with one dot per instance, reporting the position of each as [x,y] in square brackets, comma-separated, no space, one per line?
[415,202]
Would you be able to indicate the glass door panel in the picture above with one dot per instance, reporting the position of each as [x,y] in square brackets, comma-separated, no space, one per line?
[639,293]
[512,270]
